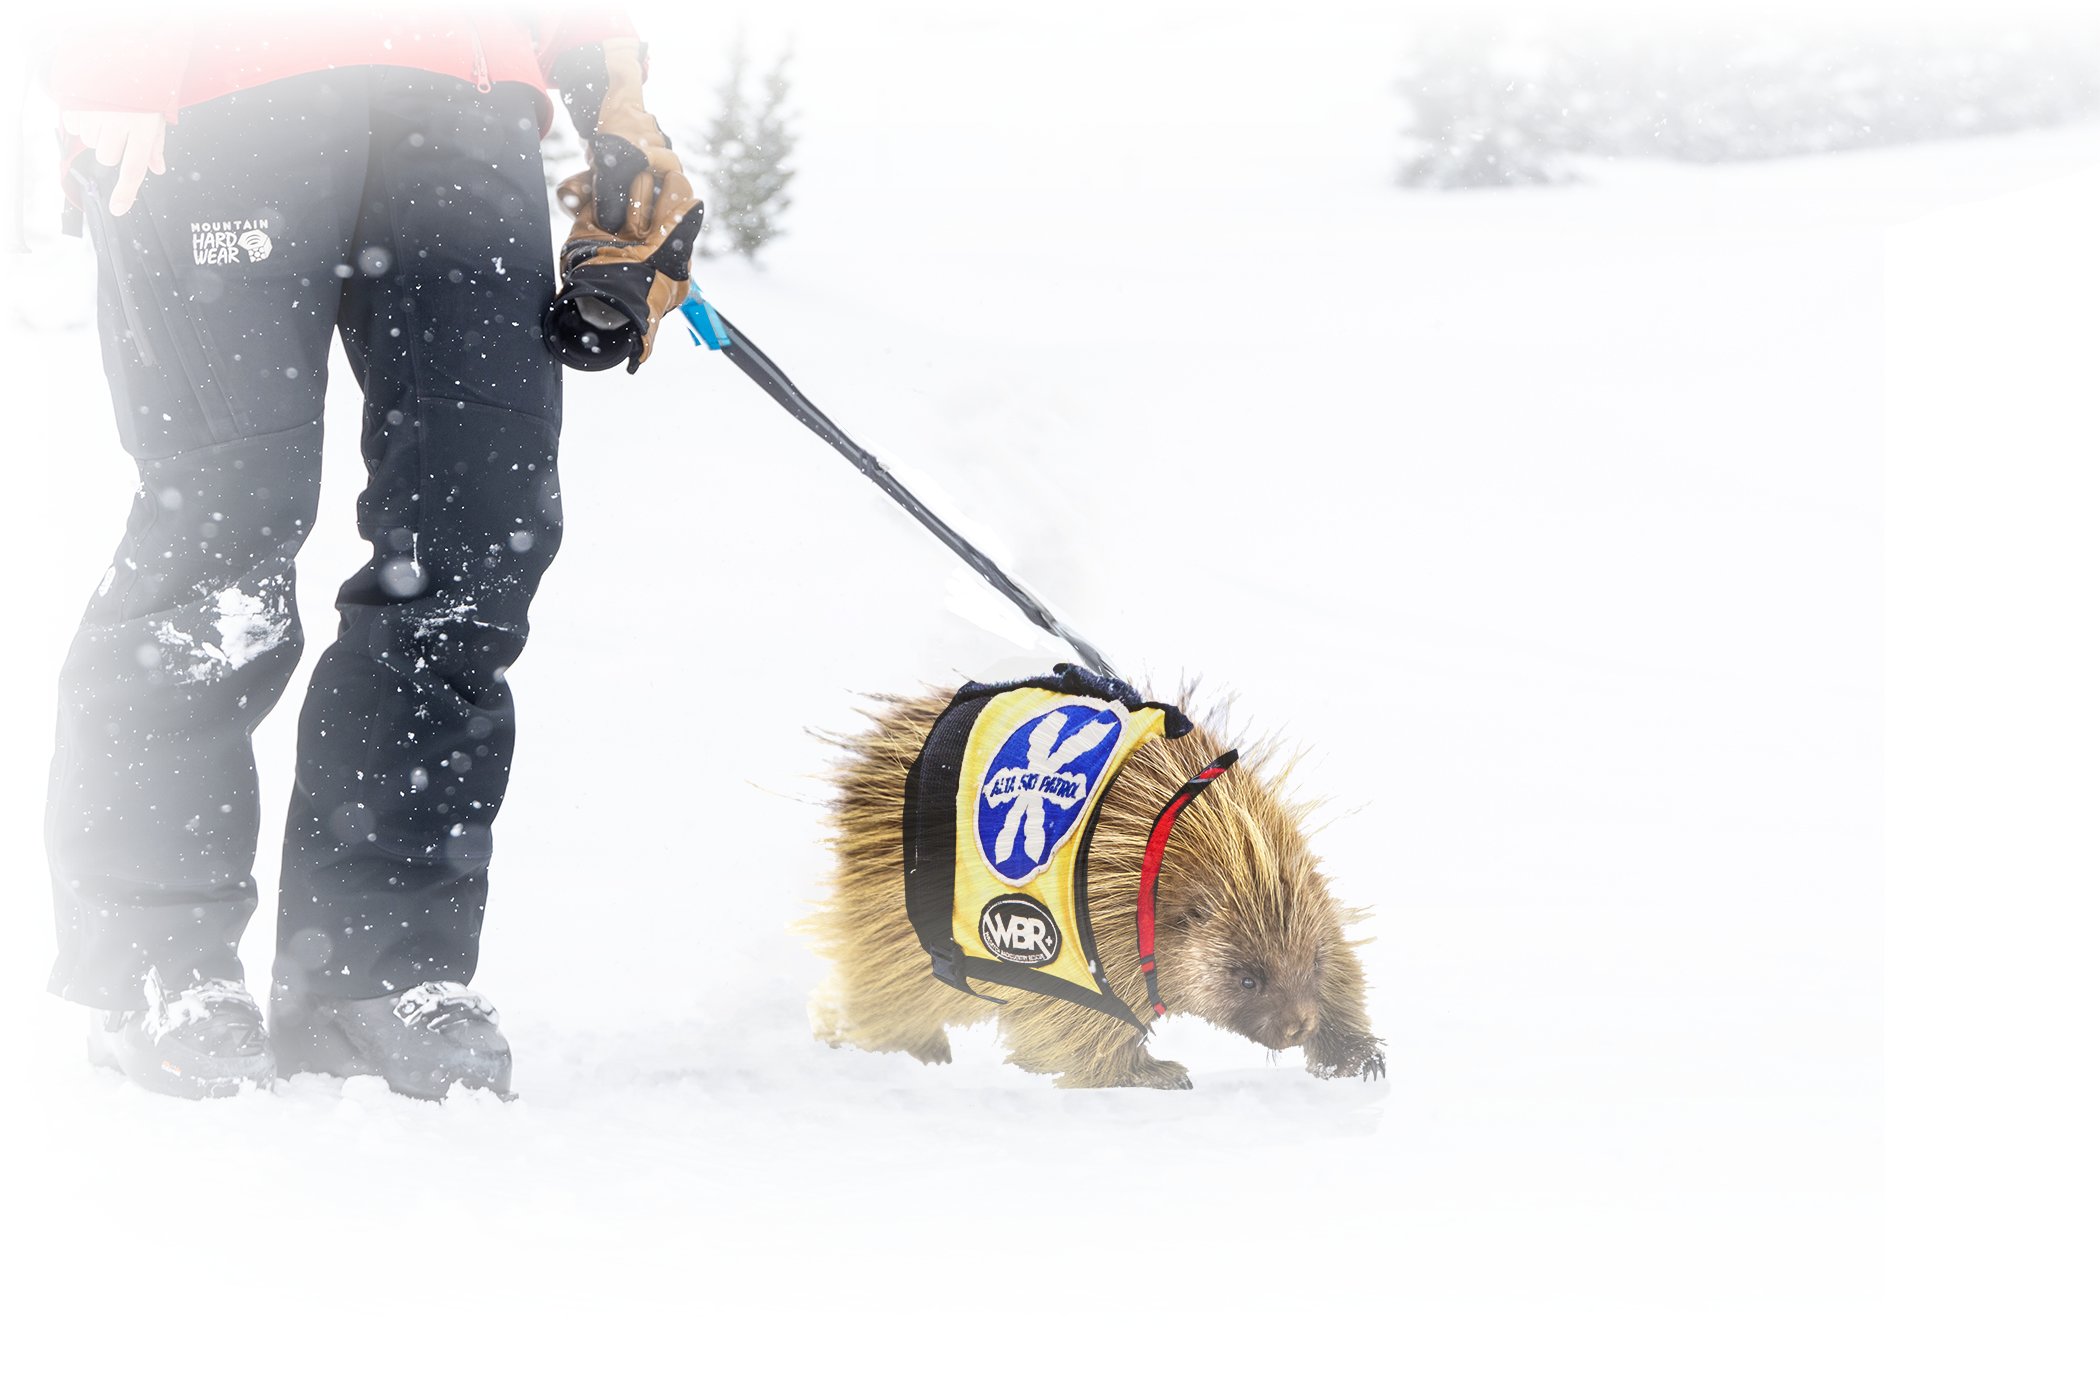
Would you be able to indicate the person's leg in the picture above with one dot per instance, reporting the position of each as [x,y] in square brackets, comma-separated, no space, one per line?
[405,738]
[218,295]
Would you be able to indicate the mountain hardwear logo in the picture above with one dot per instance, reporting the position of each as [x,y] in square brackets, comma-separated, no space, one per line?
[1016,929]
[223,241]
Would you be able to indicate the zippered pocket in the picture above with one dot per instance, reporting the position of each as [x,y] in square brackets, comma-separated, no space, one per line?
[134,322]
[171,399]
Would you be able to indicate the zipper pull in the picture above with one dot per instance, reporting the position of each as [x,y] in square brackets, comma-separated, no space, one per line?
[481,62]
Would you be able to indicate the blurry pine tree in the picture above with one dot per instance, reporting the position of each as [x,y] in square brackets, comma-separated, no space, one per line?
[747,146]
[1493,104]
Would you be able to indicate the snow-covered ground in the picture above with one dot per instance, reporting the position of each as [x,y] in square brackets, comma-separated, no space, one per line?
[1547,521]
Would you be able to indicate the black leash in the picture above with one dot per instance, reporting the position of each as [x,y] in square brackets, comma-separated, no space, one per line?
[714,330]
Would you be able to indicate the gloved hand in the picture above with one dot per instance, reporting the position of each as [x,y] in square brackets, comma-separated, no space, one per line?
[626,262]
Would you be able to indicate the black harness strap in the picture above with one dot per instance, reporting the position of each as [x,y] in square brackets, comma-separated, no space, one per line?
[1027,979]
[929,839]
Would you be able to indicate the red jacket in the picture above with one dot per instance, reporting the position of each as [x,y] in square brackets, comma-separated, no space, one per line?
[164,63]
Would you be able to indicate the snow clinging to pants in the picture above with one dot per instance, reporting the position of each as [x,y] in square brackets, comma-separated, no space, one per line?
[247,625]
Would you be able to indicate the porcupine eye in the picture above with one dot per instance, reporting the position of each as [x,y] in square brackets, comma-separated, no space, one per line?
[1250,981]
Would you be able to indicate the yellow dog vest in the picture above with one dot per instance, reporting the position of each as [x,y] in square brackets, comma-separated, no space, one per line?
[999,812]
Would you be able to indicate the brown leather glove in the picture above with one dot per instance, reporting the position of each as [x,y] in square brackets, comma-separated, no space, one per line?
[625,264]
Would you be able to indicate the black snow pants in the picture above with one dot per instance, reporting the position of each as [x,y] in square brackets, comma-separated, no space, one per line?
[407,212]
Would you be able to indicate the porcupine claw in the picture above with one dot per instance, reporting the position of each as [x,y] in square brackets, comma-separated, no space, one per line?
[1364,1058]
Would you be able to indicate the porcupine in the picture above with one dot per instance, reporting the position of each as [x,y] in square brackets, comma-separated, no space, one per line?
[1250,938]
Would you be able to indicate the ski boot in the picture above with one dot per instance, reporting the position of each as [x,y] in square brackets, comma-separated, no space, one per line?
[203,1042]
[421,1041]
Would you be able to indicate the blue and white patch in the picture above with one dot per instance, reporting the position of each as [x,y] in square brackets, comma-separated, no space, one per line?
[1038,785]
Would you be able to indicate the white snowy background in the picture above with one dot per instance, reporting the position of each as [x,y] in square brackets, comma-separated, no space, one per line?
[1547,521]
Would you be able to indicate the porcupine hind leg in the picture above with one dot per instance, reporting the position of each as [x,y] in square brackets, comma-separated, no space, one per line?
[890,1003]
[1083,1048]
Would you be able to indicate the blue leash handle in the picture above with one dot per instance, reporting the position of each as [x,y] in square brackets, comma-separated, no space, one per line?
[707,325]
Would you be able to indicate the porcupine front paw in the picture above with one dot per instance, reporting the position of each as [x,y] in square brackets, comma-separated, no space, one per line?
[1360,1055]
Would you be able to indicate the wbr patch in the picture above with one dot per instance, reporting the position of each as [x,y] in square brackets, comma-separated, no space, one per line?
[1017,929]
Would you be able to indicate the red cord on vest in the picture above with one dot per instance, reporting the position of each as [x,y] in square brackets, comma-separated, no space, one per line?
[1155,856]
